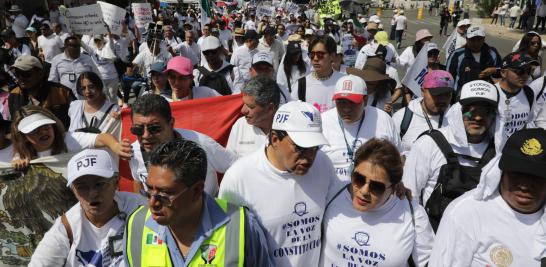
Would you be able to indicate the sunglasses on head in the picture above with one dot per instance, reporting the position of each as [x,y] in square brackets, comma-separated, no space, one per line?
[138,130]
[375,187]
[318,54]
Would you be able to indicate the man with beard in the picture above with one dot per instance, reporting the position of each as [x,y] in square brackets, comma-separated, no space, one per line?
[186,226]
[443,164]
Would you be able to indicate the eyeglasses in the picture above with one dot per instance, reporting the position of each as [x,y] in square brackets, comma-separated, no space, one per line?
[138,130]
[375,187]
[164,199]
[23,74]
[472,111]
[318,54]
[209,52]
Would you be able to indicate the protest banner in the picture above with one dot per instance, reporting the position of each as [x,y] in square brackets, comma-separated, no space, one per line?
[85,20]
[292,8]
[451,44]
[415,76]
[211,116]
[30,202]
[112,16]
[142,13]
[262,11]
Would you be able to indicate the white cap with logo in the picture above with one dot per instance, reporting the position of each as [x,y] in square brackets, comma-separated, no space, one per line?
[91,162]
[475,31]
[479,91]
[352,88]
[262,56]
[302,122]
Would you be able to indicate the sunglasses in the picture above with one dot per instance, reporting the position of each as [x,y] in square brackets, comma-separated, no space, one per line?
[209,52]
[152,129]
[472,111]
[318,54]
[23,74]
[164,199]
[375,187]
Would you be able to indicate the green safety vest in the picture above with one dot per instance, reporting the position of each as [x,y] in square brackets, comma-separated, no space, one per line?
[225,247]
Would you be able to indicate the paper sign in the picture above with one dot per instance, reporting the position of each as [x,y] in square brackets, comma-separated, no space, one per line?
[264,11]
[112,15]
[143,14]
[85,19]
[292,8]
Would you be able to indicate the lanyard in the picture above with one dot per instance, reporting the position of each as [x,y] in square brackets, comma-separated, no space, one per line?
[440,120]
[351,149]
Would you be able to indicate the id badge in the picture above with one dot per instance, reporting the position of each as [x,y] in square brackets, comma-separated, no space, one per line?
[507,115]
[72,77]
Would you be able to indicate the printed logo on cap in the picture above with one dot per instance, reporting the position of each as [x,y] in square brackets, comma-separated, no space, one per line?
[480,89]
[309,115]
[347,85]
[87,161]
[531,147]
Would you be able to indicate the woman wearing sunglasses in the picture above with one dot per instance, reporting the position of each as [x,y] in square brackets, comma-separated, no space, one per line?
[366,223]
[37,133]
[93,114]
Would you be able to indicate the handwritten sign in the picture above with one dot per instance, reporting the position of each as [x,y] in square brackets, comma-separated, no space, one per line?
[143,14]
[292,8]
[112,15]
[85,19]
[262,11]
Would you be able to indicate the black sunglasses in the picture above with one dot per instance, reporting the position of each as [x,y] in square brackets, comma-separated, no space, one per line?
[375,187]
[23,74]
[152,129]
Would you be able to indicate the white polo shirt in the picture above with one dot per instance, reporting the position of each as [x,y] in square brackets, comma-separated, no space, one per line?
[245,138]
[218,159]
[66,71]
[376,124]
[384,236]
[290,207]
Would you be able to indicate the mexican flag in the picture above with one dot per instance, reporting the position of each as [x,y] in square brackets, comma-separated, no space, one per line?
[206,13]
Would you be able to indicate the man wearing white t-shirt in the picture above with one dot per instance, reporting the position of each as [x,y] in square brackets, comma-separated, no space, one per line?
[501,222]
[49,44]
[250,25]
[443,164]
[242,59]
[516,99]
[401,25]
[261,98]
[153,124]
[285,184]
[151,53]
[427,112]
[319,85]
[91,232]
[352,123]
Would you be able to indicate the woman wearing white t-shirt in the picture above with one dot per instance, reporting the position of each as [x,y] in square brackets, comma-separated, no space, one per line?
[37,133]
[94,114]
[91,232]
[294,67]
[366,223]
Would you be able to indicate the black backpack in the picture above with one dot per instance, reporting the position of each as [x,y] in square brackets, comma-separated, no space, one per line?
[215,80]
[454,179]
[93,127]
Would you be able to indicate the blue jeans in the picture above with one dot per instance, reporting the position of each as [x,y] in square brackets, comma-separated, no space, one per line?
[399,34]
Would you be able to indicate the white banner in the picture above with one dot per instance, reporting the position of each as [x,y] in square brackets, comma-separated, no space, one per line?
[415,76]
[450,44]
[143,14]
[85,20]
[265,11]
[112,15]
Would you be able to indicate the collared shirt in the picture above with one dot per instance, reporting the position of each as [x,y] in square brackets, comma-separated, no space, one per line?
[212,218]
[276,49]
[65,70]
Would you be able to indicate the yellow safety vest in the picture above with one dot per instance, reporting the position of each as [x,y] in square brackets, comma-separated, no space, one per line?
[225,247]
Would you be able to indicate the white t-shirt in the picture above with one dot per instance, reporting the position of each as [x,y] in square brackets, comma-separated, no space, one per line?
[319,93]
[245,138]
[145,59]
[290,207]
[401,22]
[77,114]
[50,45]
[242,60]
[407,58]
[539,110]
[384,236]
[199,92]
[376,124]
[250,25]
[485,233]
[512,115]
[90,245]
[218,159]
[418,123]
[425,159]
[121,46]
[225,36]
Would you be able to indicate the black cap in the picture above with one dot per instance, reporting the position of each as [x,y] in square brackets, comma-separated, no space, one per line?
[7,33]
[270,31]
[524,152]
[251,35]
[518,61]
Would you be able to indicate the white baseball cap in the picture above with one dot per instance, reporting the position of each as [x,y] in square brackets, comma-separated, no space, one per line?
[262,56]
[464,22]
[479,91]
[475,31]
[90,162]
[302,122]
[309,32]
[362,20]
[432,46]
[32,122]
[210,43]
[352,88]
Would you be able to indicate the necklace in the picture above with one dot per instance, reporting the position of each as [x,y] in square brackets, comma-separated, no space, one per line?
[315,75]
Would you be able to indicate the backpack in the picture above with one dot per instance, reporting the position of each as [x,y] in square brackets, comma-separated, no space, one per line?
[406,121]
[453,179]
[302,88]
[94,127]
[216,80]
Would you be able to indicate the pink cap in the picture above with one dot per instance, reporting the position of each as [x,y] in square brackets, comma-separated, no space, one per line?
[438,80]
[180,65]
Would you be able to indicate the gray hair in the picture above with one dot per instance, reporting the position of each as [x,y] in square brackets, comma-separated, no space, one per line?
[185,158]
[264,90]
